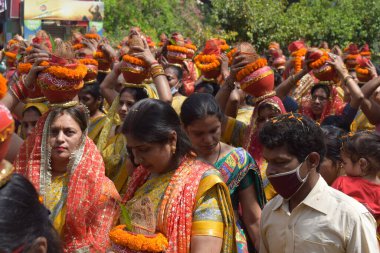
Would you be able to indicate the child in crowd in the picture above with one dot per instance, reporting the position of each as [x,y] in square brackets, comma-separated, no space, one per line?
[361,162]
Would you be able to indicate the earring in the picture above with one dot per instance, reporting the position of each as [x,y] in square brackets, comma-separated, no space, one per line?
[173,149]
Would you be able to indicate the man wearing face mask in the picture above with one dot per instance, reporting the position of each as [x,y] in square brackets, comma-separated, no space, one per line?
[307,215]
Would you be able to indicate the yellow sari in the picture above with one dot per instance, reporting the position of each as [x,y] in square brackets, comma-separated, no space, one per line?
[56,201]
[95,127]
[113,146]
[191,200]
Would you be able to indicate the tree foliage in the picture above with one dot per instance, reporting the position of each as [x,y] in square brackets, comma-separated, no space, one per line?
[335,21]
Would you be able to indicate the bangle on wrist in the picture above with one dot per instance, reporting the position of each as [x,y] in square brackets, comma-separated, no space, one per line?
[345,79]
[157,70]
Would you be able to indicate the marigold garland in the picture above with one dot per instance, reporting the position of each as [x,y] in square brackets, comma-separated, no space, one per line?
[10,55]
[92,36]
[191,46]
[320,62]
[134,60]
[3,86]
[175,48]
[78,73]
[247,70]
[12,42]
[297,59]
[352,56]
[28,49]
[88,61]
[224,46]
[78,46]
[207,63]
[365,53]
[361,71]
[230,55]
[138,242]
[24,68]
[98,55]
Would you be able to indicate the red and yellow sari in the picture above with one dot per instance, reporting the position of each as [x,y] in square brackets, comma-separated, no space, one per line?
[182,194]
[90,204]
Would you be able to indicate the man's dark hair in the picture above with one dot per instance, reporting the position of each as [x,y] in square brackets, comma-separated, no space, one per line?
[300,135]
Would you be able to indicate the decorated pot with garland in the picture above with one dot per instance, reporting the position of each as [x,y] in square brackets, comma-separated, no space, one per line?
[92,69]
[351,56]
[365,52]
[61,81]
[191,48]
[134,70]
[104,63]
[318,63]
[208,60]
[124,241]
[257,78]
[137,236]
[362,71]
[176,50]
[298,50]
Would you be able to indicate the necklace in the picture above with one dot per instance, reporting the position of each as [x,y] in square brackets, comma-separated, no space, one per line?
[220,150]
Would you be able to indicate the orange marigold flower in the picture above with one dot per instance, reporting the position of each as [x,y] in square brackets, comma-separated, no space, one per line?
[88,61]
[361,71]
[177,49]
[92,36]
[252,67]
[98,55]
[230,55]
[12,42]
[28,49]
[3,86]
[224,46]
[78,46]
[44,63]
[133,60]
[352,56]
[320,62]
[24,68]
[207,63]
[138,242]
[10,55]
[297,59]
[191,46]
[62,72]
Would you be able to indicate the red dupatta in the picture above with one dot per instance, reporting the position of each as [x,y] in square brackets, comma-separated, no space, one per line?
[334,106]
[91,199]
[253,145]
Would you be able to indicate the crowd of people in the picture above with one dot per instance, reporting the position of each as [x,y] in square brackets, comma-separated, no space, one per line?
[170,147]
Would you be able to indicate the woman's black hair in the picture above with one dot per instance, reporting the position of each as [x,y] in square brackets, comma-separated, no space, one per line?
[137,93]
[31,108]
[94,90]
[198,106]
[152,121]
[23,218]
[277,77]
[333,140]
[366,145]
[177,70]
[299,134]
[79,113]
[324,87]
[209,87]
